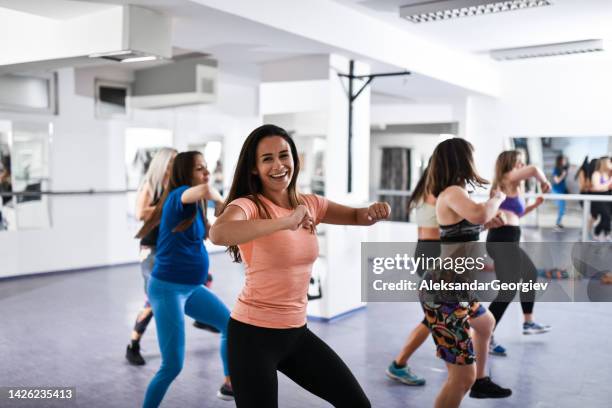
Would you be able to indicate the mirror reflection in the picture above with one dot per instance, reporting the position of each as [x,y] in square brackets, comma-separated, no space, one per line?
[24,151]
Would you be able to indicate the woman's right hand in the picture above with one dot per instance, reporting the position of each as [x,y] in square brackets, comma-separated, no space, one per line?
[545,187]
[300,218]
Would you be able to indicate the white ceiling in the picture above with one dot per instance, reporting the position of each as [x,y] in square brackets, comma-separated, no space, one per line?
[564,20]
[57,9]
[237,41]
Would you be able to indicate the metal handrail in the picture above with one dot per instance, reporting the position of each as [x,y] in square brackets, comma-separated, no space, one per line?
[554,197]
[586,209]
[64,193]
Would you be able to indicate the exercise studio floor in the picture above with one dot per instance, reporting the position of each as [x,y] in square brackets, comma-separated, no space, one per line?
[72,329]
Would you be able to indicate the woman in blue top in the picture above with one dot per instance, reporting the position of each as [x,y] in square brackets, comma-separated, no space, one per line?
[181,266]
[559,187]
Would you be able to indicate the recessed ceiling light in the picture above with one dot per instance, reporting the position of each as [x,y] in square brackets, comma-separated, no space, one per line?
[447,9]
[548,50]
[139,59]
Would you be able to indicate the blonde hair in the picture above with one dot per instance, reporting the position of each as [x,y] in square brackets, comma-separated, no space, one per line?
[154,177]
[504,164]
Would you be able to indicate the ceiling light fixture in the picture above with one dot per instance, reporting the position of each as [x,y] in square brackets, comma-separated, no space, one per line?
[447,9]
[548,50]
[126,56]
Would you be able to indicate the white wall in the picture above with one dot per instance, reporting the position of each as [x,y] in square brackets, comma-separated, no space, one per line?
[88,153]
[413,113]
[568,96]
[556,96]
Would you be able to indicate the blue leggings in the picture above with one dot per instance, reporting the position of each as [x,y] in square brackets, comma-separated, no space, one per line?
[170,303]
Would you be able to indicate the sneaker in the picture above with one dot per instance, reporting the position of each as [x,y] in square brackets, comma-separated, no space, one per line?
[558,228]
[485,388]
[404,375]
[534,328]
[225,392]
[496,349]
[205,326]
[132,354]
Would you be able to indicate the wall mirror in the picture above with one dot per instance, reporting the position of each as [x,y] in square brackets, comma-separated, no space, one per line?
[24,154]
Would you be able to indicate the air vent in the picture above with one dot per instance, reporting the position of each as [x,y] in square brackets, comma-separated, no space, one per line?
[548,50]
[447,9]
[189,81]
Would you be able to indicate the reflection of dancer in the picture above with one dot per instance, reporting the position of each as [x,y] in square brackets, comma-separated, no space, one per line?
[181,265]
[512,263]
[149,193]
[428,246]
[559,186]
[601,184]
[583,175]
[5,186]
[451,172]
[270,226]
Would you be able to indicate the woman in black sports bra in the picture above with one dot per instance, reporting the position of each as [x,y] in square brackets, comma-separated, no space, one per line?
[461,220]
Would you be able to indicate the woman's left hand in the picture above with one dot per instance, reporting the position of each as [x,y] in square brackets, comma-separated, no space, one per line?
[378,211]
[539,201]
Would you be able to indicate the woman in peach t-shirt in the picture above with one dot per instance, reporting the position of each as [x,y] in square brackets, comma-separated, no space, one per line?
[270,227]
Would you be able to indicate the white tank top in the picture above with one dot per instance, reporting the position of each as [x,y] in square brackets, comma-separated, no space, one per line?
[425,215]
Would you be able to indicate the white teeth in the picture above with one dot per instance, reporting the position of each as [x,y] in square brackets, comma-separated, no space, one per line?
[278,175]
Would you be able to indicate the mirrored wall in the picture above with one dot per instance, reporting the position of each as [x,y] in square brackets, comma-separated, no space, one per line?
[24,175]
[561,159]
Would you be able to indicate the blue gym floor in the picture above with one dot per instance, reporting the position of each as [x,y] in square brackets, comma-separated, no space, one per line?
[72,329]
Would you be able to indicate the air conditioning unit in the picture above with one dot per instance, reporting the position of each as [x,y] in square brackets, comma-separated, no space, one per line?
[184,82]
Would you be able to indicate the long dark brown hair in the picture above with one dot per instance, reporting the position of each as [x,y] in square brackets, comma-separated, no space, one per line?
[452,164]
[420,190]
[247,184]
[182,175]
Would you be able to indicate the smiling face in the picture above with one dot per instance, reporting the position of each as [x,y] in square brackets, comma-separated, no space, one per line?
[200,171]
[274,163]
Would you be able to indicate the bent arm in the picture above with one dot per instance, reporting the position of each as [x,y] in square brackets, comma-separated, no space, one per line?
[143,208]
[233,228]
[533,206]
[560,177]
[342,215]
[477,213]
[525,173]
[200,192]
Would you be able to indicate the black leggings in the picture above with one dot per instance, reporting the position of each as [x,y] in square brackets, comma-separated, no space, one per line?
[511,265]
[256,353]
[601,209]
[427,248]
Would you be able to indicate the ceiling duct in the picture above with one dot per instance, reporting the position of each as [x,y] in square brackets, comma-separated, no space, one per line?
[429,11]
[146,36]
[184,82]
[119,33]
[548,50]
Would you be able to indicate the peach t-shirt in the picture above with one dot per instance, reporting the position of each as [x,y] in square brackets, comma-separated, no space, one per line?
[278,268]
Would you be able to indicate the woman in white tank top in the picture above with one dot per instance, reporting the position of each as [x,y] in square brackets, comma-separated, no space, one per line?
[428,244]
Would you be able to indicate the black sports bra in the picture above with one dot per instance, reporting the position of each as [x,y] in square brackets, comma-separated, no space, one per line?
[463,231]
